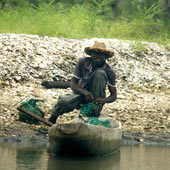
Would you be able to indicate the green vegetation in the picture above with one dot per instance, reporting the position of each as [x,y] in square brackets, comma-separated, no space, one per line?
[139,46]
[88,19]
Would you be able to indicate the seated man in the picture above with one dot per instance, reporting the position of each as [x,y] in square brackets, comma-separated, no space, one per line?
[90,77]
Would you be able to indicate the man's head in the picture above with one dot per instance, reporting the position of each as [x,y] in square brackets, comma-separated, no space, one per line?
[98,58]
[99,48]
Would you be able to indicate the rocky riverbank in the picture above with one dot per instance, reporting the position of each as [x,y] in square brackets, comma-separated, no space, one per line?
[143,83]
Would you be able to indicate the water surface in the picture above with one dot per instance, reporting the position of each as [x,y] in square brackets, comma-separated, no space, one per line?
[16,156]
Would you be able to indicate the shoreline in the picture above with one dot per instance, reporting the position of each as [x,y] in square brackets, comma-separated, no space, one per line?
[143,100]
[12,130]
[18,135]
[146,138]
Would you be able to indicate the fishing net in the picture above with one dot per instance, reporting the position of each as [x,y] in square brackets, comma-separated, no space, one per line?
[31,105]
[92,110]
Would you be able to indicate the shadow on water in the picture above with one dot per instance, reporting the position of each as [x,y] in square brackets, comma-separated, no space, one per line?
[27,157]
[23,156]
[109,162]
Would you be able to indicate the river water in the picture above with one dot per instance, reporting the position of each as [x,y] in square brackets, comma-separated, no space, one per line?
[16,156]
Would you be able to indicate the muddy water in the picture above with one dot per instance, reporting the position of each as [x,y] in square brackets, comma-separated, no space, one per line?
[15,156]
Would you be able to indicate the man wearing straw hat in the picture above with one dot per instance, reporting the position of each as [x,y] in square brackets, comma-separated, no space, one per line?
[90,77]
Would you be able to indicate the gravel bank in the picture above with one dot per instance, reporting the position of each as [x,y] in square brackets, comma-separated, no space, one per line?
[143,83]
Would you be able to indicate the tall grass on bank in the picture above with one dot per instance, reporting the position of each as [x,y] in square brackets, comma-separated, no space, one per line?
[79,21]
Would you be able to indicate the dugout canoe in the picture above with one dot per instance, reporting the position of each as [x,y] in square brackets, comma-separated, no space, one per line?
[84,139]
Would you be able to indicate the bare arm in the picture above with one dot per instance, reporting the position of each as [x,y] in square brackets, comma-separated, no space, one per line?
[74,86]
[113,94]
[109,99]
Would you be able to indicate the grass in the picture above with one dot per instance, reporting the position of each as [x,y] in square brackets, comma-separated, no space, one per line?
[79,21]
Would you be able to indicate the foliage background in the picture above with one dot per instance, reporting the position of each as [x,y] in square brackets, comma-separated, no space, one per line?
[121,19]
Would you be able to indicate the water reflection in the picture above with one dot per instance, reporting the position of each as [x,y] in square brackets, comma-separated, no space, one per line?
[144,157]
[61,163]
[15,156]
[28,158]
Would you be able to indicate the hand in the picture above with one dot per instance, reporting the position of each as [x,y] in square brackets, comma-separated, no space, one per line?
[100,100]
[89,96]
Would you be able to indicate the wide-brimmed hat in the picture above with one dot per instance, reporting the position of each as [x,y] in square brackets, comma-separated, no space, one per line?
[99,47]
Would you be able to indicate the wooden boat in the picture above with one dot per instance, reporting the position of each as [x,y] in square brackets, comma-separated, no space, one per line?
[84,139]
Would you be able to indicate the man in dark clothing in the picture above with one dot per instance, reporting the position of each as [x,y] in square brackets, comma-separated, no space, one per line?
[90,77]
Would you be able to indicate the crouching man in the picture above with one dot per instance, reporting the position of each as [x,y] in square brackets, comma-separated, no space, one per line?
[90,77]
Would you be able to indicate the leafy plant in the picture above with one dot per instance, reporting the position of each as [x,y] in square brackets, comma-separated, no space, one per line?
[146,12]
[100,4]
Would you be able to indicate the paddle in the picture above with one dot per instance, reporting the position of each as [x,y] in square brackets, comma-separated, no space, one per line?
[46,122]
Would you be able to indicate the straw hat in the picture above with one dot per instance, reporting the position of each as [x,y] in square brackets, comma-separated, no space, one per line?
[99,47]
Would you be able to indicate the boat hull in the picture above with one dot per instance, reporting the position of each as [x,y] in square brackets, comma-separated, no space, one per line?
[79,138]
